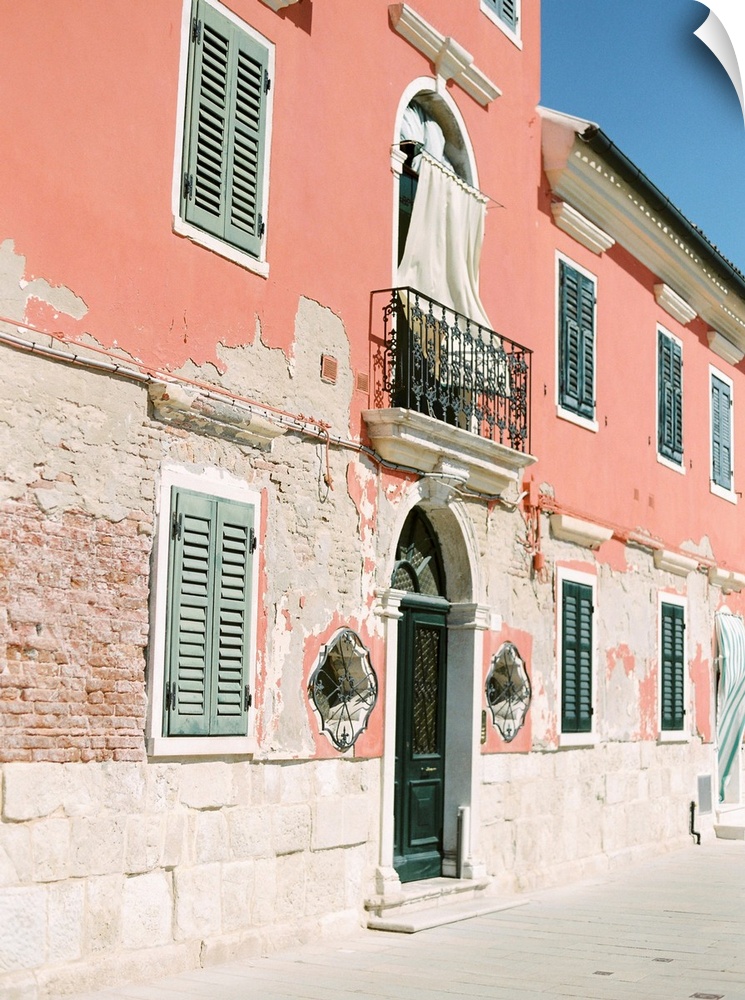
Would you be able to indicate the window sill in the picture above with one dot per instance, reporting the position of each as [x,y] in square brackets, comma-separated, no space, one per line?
[504,28]
[200,746]
[573,741]
[673,736]
[181,228]
[574,418]
[407,437]
[719,491]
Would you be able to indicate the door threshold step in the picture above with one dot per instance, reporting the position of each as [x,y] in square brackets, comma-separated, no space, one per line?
[726,831]
[408,922]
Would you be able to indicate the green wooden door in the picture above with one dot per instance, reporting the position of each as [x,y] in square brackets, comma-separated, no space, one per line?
[420,740]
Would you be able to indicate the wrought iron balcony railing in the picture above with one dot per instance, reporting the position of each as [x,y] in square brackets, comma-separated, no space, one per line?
[436,361]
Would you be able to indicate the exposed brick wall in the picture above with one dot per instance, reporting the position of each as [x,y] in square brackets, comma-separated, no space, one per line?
[74,593]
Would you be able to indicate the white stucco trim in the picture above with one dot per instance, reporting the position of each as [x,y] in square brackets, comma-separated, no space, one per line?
[580,176]
[514,36]
[180,226]
[450,59]
[221,484]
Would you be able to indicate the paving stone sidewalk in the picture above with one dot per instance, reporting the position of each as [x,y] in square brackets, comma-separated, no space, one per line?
[663,930]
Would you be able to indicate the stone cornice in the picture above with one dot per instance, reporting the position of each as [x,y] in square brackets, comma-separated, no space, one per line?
[574,529]
[572,222]
[451,60]
[278,5]
[673,304]
[581,177]
[724,348]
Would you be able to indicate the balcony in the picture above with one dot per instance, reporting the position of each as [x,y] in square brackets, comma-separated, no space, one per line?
[448,392]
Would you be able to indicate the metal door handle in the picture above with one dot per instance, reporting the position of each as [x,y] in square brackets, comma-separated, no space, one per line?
[428,770]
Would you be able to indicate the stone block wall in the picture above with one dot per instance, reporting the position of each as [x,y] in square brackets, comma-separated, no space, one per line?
[127,869]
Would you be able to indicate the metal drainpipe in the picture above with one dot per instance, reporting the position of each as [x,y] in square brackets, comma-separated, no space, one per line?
[464,838]
[693,833]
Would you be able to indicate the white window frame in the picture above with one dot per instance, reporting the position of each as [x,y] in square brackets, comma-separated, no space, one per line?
[570,740]
[181,227]
[663,459]
[562,412]
[719,491]
[672,735]
[514,36]
[221,484]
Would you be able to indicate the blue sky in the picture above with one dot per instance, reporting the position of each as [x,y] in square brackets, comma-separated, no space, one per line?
[636,68]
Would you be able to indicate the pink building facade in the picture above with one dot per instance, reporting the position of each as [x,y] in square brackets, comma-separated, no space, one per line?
[370,486]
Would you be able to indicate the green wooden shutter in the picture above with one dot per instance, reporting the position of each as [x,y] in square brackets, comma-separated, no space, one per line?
[670,398]
[673,667]
[225,131]
[576,341]
[721,433]
[231,619]
[576,657]
[209,616]
[190,583]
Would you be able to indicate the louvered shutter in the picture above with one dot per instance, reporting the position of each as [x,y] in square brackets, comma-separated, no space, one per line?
[576,646]
[231,619]
[670,398]
[226,131]
[191,572]
[673,667]
[209,614]
[721,433]
[576,341]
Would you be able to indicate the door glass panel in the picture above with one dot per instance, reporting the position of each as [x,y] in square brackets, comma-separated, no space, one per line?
[426,681]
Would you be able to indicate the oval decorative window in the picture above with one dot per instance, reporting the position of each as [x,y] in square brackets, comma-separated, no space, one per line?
[508,691]
[343,688]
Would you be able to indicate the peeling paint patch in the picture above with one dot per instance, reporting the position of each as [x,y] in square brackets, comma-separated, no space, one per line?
[648,725]
[613,555]
[699,671]
[623,656]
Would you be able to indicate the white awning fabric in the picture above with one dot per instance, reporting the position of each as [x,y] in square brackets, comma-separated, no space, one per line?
[730,633]
[443,247]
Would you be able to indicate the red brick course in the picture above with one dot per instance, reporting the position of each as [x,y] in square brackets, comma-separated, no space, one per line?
[73,635]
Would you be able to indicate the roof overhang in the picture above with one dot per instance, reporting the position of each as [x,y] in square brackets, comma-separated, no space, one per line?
[588,172]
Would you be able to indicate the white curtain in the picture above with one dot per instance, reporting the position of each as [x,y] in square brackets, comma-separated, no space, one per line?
[419,128]
[730,632]
[443,247]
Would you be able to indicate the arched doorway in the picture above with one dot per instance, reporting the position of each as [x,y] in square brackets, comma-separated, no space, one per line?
[419,791]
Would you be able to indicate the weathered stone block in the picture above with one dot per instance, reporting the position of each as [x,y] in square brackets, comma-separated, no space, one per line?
[147,908]
[250,832]
[355,819]
[265,891]
[66,916]
[291,887]
[23,919]
[291,829]
[211,840]
[206,785]
[238,878]
[50,846]
[295,782]
[103,898]
[198,894]
[143,842]
[16,859]
[174,841]
[97,846]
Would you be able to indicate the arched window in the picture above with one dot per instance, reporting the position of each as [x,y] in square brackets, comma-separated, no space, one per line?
[418,568]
